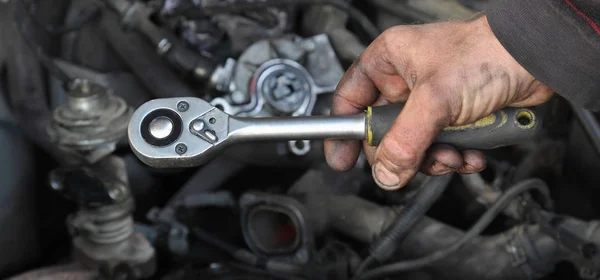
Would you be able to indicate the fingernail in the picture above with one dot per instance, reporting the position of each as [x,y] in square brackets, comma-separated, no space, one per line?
[440,168]
[385,178]
[467,168]
[332,149]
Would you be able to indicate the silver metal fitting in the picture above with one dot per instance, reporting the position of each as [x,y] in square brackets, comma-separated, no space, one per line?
[103,228]
[91,122]
[268,80]
[164,46]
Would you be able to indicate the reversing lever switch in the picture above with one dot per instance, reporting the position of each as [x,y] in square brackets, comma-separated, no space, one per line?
[199,128]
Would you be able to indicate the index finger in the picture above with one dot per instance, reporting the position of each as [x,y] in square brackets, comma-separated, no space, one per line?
[354,93]
[372,77]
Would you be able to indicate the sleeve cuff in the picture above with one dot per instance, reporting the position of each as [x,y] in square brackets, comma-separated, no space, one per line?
[547,42]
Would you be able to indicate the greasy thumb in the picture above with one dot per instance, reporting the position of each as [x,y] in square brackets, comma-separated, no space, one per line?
[402,150]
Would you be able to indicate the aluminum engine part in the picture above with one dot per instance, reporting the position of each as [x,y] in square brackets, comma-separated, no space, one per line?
[204,35]
[251,27]
[103,228]
[279,77]
[333,21]
[170,6]
[395,12]
[91,122]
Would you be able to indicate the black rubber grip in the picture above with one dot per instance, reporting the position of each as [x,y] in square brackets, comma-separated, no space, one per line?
[505,127]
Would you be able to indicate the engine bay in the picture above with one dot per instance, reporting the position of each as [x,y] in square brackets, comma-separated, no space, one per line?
[78,203]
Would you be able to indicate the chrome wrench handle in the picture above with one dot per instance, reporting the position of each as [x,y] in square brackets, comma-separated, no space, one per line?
[298,128]
[187,132]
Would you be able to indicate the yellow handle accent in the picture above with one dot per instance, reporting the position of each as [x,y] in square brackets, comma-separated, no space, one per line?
[369,129]
[487,121]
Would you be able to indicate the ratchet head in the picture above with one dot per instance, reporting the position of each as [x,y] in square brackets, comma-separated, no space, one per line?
[177,132]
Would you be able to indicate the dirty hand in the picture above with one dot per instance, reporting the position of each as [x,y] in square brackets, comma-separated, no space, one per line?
[450,73]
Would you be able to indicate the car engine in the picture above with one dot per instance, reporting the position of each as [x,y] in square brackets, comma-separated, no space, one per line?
[77,203]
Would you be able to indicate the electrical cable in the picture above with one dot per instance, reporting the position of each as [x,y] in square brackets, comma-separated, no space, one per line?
[246,256]
[387,243]
[240,6]
[364,266]
[483,222]
[214,241]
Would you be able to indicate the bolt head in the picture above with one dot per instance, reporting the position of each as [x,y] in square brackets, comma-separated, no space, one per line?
[55,185]
[180,149]
[200,72]
[164,46]
[216,267]
[182,106]
[117,193]
[238,97]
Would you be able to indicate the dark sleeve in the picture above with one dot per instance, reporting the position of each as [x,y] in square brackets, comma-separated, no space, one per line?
[557,41]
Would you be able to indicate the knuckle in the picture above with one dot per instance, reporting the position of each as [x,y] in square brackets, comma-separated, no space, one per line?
[362,65]
[395,41]
[444,100]
[397,46]
[391,32]
[339,98]
[398,32]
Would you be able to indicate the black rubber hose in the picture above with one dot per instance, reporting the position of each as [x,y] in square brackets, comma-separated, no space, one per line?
[21,14]
[85,16]
[385,246]
[248,257]
[143,60]
[363,266]
[25,80]
[480,225]
[240,6]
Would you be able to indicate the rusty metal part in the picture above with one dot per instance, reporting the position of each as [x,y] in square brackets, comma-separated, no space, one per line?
[91,122]
[103,228]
